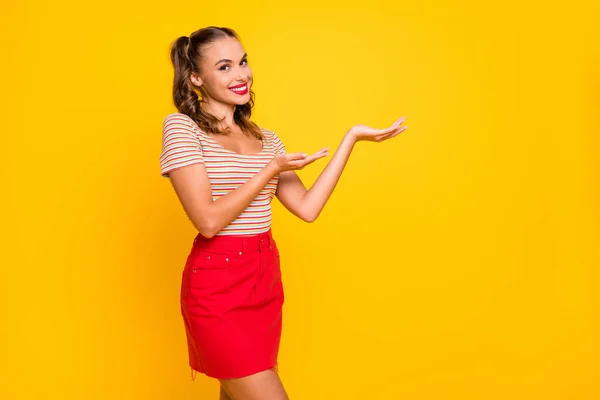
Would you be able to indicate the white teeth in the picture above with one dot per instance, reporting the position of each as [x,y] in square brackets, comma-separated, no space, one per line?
[239,89]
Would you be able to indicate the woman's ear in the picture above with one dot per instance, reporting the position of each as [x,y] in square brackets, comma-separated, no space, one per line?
[196,80]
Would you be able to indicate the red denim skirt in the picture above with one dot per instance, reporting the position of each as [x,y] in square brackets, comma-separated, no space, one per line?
[231,303]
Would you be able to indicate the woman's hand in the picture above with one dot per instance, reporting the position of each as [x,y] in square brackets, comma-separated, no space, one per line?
[363,132]
[292,161]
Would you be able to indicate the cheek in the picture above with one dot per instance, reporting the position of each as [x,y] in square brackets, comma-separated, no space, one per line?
[216,85]
[224,83]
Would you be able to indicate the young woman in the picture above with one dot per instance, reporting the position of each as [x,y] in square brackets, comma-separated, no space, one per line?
[225,171]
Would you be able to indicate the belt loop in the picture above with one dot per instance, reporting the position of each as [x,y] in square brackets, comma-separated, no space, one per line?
[265,241]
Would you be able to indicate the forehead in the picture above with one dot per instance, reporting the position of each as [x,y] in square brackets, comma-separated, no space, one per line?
[224,48]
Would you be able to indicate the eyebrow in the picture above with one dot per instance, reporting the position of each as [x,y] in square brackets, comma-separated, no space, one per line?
[245,55]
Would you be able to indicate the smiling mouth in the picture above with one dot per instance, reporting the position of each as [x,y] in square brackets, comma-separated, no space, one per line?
[240,89]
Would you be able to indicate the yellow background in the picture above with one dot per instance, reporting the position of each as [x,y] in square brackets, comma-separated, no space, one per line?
[459,260]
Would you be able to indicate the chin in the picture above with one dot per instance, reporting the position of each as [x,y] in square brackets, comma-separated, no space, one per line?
[241,100]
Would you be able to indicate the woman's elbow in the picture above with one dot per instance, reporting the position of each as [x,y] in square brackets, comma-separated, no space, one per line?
[310,218]
[206,229]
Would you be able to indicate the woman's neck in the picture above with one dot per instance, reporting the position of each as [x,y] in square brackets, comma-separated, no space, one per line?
[224,112]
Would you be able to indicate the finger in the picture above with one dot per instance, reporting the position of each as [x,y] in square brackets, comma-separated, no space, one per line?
[395,125]
[386,130]
[318,153]
[317,156]
[387,133]
[401,129]
[314,157]
[399,120]
[397,130]
[297,164]
[296,156]
[395,133]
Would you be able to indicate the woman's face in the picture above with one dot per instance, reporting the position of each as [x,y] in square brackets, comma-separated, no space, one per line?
[224,67]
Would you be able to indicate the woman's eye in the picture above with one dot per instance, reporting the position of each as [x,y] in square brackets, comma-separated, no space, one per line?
[227,66]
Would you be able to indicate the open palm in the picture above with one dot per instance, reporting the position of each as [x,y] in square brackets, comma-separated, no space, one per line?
[364,132]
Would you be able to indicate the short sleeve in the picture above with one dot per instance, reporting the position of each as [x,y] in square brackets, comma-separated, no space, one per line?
[180,144]
[278,144]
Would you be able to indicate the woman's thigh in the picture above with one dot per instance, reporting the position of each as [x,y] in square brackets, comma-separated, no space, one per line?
[264,385]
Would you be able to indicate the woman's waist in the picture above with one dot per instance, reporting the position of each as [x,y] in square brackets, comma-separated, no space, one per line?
[236,241]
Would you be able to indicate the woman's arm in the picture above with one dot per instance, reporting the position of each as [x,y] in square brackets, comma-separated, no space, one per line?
[308,204]
[209,217]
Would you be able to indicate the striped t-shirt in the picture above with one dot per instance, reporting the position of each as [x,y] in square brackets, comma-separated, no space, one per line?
[184,143]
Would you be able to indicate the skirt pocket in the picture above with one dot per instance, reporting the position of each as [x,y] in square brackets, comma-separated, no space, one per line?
[218,271]
[202,258]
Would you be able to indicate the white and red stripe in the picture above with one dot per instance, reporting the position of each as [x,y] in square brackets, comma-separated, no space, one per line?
[184,143]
